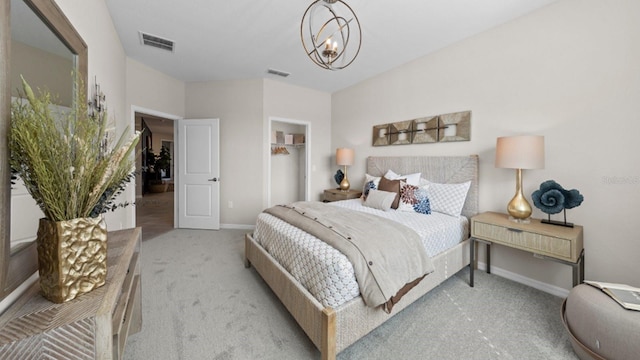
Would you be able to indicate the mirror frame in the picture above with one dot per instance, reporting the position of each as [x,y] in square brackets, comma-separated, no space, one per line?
[18,267]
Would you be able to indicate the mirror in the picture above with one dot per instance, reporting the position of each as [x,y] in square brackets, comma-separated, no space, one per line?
[38,41]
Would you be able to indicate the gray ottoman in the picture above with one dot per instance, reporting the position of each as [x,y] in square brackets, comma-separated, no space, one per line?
[599,328]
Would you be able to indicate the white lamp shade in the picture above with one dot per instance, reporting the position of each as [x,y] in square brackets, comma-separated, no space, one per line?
[344,156]
[520,152]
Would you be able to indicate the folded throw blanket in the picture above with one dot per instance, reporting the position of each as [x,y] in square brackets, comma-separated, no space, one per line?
[388,258]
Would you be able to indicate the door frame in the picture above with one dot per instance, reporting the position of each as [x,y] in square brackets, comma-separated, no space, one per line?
[267,152]
[132,198]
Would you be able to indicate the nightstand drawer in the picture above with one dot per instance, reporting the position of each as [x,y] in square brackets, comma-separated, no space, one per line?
[559,242]
[533,242]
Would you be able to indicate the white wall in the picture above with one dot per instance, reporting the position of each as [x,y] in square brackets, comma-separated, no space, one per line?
[569,72]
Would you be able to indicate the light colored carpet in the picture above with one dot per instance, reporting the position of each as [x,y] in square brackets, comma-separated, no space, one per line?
[199,302]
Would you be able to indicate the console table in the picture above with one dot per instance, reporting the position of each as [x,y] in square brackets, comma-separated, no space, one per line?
[95,325]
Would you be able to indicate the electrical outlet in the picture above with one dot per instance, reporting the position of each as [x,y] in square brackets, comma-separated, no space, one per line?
[230,204]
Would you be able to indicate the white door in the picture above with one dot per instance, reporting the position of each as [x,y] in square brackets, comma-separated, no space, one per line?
[198,175]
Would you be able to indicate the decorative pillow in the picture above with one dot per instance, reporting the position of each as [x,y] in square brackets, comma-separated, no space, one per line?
[370,183]
[379,199]
[448,198]
[414,198]
[391,186]
[412,179]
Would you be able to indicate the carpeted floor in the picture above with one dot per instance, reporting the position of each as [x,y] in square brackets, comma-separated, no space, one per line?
[199,302]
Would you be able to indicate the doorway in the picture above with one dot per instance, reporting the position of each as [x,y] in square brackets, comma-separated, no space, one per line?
[288,161]
[155,195]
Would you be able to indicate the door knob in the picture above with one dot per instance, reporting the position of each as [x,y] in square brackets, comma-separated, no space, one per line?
[214,179]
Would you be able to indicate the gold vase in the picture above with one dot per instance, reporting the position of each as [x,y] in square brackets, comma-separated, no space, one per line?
[72,257]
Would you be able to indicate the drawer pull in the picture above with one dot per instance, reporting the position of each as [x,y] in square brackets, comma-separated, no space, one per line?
[514,230]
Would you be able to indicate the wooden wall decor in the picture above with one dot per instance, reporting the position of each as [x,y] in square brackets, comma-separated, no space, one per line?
[430,129]
[426,130]
[381,135]
[400,132]
[457,126]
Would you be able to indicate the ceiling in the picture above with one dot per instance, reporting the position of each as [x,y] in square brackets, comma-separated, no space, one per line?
[242,39]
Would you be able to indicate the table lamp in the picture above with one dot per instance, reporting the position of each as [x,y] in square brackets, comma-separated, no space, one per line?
[344,157]
[520,152]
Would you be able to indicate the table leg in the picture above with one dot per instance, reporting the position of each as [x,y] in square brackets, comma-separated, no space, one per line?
[472,261]
[487,249]
[578,270]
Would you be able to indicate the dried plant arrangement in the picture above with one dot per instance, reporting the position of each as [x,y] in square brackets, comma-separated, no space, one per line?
[66,160]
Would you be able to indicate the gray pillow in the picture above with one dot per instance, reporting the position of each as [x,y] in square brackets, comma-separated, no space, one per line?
[379,199]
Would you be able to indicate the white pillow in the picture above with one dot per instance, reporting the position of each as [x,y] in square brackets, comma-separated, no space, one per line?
[379,199]
[411,179]
[448,198]
[370,183]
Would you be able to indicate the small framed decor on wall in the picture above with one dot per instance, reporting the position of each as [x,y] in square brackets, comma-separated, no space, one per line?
[457,126]
[400,132]
[381,135]
[426,130]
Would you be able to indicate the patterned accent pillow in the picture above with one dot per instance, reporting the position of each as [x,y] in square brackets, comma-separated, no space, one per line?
[448,198]
[370,183]
[414,198]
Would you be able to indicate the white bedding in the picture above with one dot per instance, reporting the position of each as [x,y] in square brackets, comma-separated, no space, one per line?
[325,272]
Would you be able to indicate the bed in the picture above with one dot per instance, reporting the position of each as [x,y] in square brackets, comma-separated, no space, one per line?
[333,328]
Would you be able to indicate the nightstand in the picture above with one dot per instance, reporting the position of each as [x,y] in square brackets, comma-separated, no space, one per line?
[551,242]
[337,195]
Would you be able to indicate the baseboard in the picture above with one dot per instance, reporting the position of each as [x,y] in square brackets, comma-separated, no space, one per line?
[548,288]
[237,226]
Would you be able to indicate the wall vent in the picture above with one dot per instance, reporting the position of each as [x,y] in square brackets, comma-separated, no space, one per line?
[156,41]
[278,72]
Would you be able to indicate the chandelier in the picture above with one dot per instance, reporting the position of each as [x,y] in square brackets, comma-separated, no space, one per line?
[330,33]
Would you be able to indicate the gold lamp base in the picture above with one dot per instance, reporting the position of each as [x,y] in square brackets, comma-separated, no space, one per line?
[344,184]
[519,208]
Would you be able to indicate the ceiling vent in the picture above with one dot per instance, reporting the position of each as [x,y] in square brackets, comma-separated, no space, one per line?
[155,41]
[278,72]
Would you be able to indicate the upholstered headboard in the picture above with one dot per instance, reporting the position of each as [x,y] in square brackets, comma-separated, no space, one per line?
[439,169]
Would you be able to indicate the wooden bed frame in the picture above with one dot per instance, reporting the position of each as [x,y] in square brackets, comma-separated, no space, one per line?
[334,329]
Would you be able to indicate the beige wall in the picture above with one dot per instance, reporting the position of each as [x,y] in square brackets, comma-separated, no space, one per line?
[238,105]
[42,70]
[244,107]
[297,103]
[152,92]
[150,89]
[106,66]
[569,72]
